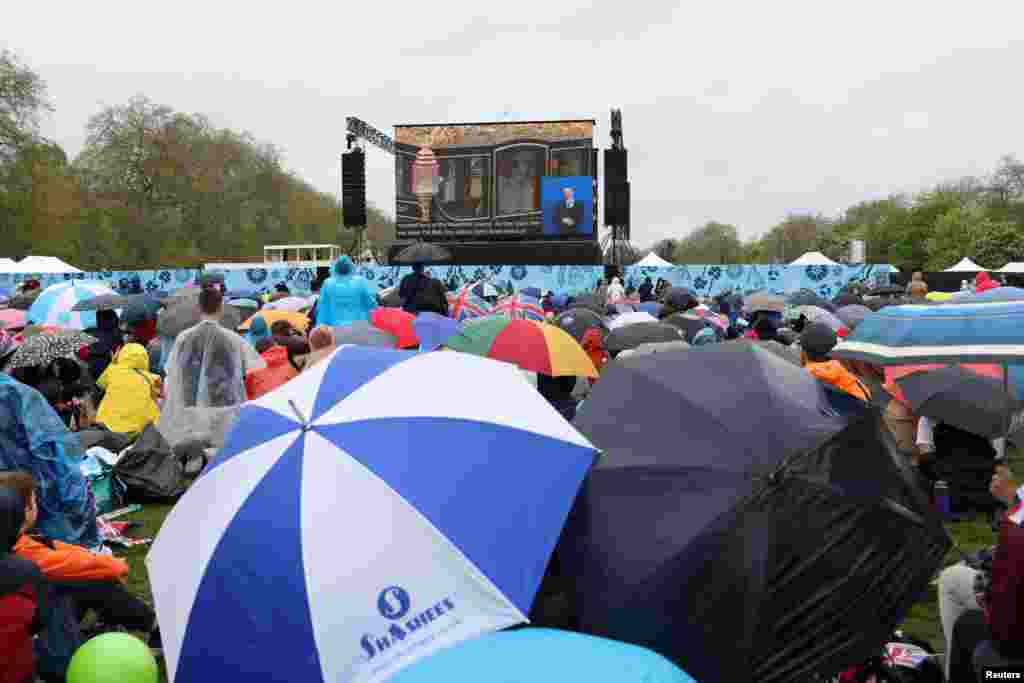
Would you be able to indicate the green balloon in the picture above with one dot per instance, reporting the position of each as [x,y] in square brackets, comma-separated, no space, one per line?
[113,658]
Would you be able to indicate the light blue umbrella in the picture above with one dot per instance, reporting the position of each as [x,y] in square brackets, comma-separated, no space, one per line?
[541,655]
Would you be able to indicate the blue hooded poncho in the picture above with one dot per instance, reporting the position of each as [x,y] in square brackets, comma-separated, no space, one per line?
[258,330]
[345,297]
[33,439]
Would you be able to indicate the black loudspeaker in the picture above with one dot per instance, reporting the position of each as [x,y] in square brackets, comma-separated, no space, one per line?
[616,205]
[353,188]
[615,167]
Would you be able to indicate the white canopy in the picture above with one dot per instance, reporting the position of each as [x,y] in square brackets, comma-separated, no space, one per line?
[814,258]
[8,265]
[1012,267]
[652,260]
[966,265]
[45,264]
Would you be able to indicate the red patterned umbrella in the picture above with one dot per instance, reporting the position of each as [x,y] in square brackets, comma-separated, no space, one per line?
[398,323]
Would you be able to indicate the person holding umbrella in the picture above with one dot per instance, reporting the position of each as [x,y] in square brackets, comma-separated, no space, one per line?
[816,341]
[421,293]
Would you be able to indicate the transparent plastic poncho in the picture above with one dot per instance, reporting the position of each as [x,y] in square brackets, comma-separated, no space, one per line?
[205,383]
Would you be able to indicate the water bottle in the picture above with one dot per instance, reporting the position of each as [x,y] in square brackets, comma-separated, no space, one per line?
[941,498]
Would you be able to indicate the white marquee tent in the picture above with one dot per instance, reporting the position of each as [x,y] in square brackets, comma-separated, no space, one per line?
[652,260]
[1014,267]
[966,265]
[814,258]
[45,264]
[8,265]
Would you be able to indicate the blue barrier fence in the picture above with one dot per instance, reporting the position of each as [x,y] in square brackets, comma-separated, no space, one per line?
[707,280]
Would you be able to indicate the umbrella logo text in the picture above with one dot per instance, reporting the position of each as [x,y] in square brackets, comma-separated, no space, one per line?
[393,603]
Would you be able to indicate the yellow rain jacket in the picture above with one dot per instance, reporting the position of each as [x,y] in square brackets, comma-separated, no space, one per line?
[128,405]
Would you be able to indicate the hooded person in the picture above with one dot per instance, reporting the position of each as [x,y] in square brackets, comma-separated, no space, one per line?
[616,292]
[22,596]
[279,369]
[984,282]
[258,331]
[205,376]
[130,392]
[816,341]
[346,297]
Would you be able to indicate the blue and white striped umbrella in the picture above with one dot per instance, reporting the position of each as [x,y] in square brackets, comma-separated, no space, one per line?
[53,306]
[353,524]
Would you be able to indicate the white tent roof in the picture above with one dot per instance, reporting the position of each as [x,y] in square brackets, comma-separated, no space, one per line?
[8,265]
[652,260]
[1013,267]
[814,258]
[45,264]
[966,265]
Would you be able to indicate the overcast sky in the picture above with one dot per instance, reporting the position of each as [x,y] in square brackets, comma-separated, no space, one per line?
[736,111]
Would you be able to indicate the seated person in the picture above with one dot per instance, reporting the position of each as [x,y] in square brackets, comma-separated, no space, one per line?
[985,602]
[131,391]
[280,368]
[816,342]
[93,581]
[22,595]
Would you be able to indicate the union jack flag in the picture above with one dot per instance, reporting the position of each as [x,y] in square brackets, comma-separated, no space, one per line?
[464,305]
[520,307]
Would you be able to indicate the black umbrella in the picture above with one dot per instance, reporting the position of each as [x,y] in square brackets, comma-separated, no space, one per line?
[106,302]
[847,299]
[960,398]
[887,290]
[632,336]
[592,302]
[44,347]
[423,252]
[576,321]
[806,297]
[390,298]
[689,324]
[737,495]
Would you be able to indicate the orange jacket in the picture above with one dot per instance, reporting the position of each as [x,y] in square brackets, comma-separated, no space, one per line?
[66,562]
[277,372]
[832,372]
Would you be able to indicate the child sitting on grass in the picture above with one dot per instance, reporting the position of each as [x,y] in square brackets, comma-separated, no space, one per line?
[92,581]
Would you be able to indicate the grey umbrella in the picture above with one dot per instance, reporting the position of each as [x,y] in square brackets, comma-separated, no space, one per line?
[180,316]
[816,314]
[853,314]
[362,333]
[655,347]
[423,252]
[112,301]
[632,336]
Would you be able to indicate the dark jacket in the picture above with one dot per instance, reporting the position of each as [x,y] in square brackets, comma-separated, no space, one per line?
[109,339]
[573,213]
[558,392]
[421,293]
[1005,600]
[646,292]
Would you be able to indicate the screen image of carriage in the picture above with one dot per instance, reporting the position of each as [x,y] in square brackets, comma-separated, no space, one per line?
[486,181]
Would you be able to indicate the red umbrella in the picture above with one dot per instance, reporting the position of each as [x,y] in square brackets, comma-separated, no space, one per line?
[397,323]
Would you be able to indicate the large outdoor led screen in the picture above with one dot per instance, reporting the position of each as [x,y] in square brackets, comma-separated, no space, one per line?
[481,181]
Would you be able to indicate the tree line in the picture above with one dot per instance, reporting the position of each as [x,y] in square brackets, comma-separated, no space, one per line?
[981,218]
[153,187]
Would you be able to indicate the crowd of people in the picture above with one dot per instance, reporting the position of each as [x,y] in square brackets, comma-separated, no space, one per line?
[192,386]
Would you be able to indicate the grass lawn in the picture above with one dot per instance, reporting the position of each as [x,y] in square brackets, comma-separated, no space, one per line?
[922,622]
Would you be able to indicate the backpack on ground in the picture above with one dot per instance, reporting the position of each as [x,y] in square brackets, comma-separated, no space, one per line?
[150,469]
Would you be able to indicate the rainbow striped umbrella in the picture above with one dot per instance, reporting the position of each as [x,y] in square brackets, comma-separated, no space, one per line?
[532,346]
[520,307]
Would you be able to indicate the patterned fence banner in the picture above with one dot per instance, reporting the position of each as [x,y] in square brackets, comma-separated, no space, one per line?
[703,280]
[826,281]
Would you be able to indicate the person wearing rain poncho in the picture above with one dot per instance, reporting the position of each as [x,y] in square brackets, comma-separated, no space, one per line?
[34,439]
[129,401]
[205,376]
[279,369]
[345,297]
